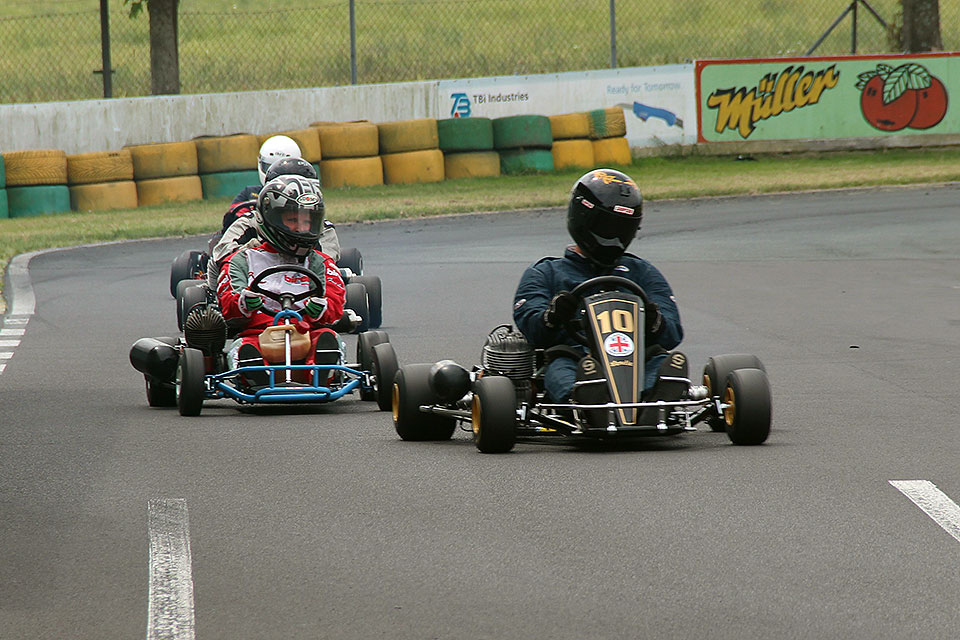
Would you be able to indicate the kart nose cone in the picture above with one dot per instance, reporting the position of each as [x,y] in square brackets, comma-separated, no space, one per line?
[449,381]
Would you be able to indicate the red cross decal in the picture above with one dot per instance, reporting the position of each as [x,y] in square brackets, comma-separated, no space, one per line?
[619,346]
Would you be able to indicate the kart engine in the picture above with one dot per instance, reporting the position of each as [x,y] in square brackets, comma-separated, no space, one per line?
[506,352]
[206,330]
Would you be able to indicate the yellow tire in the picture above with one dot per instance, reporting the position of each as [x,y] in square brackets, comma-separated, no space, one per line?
[99,166]
[572,154]
[611,151]
[307,139]
[165,160]
[570,125]
[412,167]
[104,195]
[164,190]
[217,154]
[408,135]
[38,167]
[607,123]
[475,164]
[349,140]
[351,172]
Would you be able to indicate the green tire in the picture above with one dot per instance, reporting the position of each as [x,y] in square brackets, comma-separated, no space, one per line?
[528,132]
[37,200]
[227,184]
[465,134]
[4,209]
[3,173]
[526,161]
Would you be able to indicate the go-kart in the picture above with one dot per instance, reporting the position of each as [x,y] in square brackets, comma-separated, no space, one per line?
[502,400]
[365,298]
[186,371]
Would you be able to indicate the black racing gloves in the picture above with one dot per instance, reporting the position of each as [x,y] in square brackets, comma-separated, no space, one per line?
[561,309]
[652,319]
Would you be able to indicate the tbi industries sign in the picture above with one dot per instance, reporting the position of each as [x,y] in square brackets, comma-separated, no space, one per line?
[828,97]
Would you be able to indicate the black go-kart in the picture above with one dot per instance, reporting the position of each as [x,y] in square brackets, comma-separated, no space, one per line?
[502,400]
[185,371]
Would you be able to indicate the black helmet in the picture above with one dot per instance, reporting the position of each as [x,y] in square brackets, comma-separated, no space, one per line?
[604,214]
[278,200]
[290,167]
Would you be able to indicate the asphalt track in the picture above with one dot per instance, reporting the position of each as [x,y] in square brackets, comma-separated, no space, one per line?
[321,523]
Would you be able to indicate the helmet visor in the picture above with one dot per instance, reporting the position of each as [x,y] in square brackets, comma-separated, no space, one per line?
[296,222]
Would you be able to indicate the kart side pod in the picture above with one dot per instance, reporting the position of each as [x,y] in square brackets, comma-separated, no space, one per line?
[155,357]
[449,381]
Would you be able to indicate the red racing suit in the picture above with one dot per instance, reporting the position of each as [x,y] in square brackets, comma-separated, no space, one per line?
[244,265]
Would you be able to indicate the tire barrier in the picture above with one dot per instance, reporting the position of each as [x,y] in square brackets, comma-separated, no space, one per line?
[164,160]
[307,139]
[349,140]
[40,167]
[526,161]
[410,167]
[351,172]
[37,200]
[4,208]
[570,125]
[471,164]
[611,151]
[99,166]
[172,189]
[102,196]
[569,154]
[408,135]
[465,134]
[522,132]
[227,184]
[218,154]
[607,123]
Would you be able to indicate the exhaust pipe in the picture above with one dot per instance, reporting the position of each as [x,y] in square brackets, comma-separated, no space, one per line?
[156,357]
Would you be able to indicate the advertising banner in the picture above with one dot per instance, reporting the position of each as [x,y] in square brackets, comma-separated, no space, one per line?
[658,102]
[826,97]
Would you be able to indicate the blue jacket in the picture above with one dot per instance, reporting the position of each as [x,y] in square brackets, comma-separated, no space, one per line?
[548,277]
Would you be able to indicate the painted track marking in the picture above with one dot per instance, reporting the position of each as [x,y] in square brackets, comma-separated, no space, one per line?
[170,614]
[933,502]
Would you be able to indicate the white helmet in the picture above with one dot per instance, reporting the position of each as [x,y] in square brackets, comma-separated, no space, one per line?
[274,148]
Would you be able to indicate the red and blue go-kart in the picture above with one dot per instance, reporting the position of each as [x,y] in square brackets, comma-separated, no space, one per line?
[186,371]
[502,401]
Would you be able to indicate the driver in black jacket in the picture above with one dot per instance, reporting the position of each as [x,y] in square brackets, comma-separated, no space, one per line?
[603,217]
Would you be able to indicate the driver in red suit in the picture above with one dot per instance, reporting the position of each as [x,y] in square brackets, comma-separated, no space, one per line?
[289,218]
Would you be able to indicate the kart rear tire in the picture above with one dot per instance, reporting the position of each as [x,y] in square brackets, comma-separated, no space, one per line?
[366,341]
[494,414]
[191,294]
[715,373]
[356,299]
[384,368]
[747,418]
[411,389]
[185,267]
[374,298]
[160,394]
[350,258]
[190,375]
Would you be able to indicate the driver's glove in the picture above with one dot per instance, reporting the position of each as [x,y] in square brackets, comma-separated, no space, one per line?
[561,309]
[315,306]
[250,302]
[652,318]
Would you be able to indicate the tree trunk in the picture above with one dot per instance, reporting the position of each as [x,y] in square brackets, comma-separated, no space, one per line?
[921,25]
[164,57]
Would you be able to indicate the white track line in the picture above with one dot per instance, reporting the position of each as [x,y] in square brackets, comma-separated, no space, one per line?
[170,604]
[933,502]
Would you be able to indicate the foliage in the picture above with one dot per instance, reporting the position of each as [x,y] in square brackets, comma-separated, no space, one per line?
[136,6]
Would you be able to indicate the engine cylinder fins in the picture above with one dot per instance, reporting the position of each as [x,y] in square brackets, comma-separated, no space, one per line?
[507,352]
[206,330]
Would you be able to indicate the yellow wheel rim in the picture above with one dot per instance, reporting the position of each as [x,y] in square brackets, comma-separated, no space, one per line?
[706,383]
[730,412]
[395,403]
[477,412]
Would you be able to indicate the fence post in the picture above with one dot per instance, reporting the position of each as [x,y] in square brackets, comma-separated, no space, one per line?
[105,69]
[353,44]
[613,35]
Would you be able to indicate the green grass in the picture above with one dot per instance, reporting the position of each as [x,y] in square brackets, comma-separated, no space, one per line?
[659,178]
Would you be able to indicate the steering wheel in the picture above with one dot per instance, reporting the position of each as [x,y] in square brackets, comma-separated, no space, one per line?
[286,300]
[574,327]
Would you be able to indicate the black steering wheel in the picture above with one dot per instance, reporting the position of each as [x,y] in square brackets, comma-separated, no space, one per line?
[574,326]
[286,300]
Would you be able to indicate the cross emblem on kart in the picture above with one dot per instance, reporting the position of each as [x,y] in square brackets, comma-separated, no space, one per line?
[618,344]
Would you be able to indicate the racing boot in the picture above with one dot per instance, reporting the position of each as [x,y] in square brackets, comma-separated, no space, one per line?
[665,388]
[327,351]
[591,388]
[249,356]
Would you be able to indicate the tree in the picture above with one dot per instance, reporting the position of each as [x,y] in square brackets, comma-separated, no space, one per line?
[921,26]
[164,56]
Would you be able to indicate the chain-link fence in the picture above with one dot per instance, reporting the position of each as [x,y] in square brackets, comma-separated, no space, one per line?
[57,55]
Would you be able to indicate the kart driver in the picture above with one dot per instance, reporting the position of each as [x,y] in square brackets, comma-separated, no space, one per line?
[603,217]
[289,216]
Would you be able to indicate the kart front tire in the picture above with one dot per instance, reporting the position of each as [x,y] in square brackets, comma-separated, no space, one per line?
[190,293]
[366,341]
[160,394]
[356,299]
[374,298]
[384,367]
[715,373]
[747,415]
[411,389]
[190,375]
[185,267]
[350,258]
[494,414]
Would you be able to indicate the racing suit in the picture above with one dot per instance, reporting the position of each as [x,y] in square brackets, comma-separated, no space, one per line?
[548,277]
[244,265]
